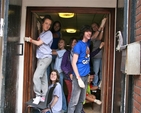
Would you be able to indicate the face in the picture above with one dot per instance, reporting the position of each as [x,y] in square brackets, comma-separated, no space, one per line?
[53,76]
[91,77]
[56,27]
[87,35]
[73,43]
[61,44]
[94,27]
[46,25]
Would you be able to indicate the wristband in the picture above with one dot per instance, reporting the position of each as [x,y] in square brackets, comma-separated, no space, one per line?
[98,30]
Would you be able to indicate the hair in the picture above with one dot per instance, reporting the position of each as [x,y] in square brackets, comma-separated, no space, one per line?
[95,23]
[84,29]
[47,17]
[62,39]
[71,40]
[52,29]
[58,77]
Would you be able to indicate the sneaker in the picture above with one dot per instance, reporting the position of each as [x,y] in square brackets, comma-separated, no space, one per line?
[36,100]
[97,102]
[42,99]
[99,86]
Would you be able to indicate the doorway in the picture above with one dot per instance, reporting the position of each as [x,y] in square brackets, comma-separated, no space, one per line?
[108,54]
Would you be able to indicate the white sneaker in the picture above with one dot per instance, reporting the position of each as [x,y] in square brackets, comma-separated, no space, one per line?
[99,86]
[97,102]
[36,100]
[42,99]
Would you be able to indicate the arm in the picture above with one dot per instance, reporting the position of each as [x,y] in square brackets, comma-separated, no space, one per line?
[55,99]
[99,33]
[97,50]
[36,42]
[74,66]
[65,61]
[54,52]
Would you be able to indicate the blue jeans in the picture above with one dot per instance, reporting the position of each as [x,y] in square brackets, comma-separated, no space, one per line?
[51,66]
[77,96]
[97,67]
[64,106]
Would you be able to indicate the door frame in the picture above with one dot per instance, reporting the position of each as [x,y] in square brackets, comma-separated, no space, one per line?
[108,62]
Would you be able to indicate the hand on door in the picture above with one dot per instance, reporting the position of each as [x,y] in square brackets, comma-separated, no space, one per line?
[28,39]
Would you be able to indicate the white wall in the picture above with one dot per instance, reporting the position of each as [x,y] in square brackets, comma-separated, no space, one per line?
[71,3]
[51,3]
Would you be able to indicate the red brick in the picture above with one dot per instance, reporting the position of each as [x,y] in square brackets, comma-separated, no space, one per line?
[138,10]
[138,24]
[138,83]
[138,17]
[138,99]
[137,90]
[137,105]
[138,3]
[138,31]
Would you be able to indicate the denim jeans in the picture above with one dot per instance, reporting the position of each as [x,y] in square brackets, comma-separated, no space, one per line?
[97,68]
[64,106]
[77,96]
[51,66]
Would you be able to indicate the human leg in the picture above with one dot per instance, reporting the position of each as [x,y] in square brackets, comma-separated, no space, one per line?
[76,90]
[39,76]
[64,106]
[82,96]
[100,73]
[96,66]
[69,88]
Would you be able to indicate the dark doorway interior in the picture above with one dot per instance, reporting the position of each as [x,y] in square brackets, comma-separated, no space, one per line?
[33,14]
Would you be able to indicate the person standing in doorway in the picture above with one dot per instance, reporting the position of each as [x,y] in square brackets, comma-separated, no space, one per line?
[59,55]
[44,58]
[56,31]
[81,68]
[67,67]
[97,59]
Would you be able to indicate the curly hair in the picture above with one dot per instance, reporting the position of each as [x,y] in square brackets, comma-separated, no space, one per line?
[84,29]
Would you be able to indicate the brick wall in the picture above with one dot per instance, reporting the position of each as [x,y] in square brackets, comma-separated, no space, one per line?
[137,79]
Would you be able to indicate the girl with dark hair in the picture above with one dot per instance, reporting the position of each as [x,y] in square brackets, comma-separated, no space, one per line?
[56,103]
[67,67]
[43,54]
[56,28]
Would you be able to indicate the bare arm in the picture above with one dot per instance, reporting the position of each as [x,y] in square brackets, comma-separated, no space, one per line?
[36,42]
[54,52]
[74,66]
[55,99]
[99,33]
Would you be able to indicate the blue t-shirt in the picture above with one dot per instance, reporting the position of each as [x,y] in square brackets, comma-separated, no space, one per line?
[83,58]
[44,50]
[55,41]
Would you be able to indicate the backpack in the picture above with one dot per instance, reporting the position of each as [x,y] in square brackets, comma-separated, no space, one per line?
[45,104]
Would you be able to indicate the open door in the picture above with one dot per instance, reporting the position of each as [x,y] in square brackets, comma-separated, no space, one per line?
[30,58]
[108,56]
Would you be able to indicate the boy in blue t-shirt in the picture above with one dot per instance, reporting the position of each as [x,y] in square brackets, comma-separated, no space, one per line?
[81,67]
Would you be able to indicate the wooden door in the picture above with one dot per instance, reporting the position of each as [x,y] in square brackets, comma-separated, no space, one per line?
[30,58]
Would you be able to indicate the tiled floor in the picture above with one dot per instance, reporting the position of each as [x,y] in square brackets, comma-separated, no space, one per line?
[88,108]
